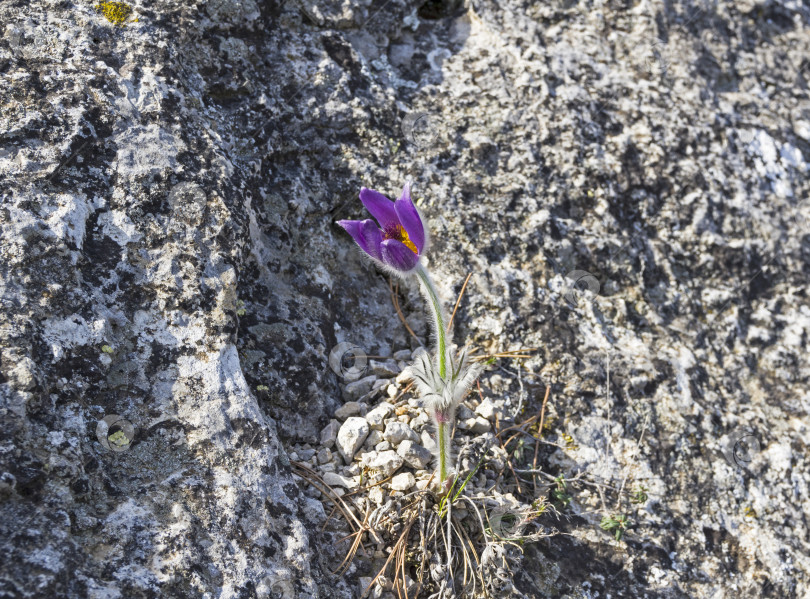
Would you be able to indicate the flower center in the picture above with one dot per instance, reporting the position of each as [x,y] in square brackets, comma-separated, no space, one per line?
[399,233]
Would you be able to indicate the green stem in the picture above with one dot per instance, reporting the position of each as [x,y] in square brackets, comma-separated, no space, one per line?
[430,290]
[442,433]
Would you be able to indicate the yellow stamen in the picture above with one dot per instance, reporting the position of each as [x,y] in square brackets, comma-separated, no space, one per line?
[399,233]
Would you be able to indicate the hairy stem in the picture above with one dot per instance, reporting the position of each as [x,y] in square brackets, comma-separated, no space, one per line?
[443,428]
[441,338]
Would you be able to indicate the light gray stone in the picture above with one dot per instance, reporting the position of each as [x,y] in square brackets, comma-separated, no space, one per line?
[403,481]
[376,417]
[478,425]
[374,437]
[324,456]
[402,354]
[386,462]
[350,408]
[404,377]
[396,432]
[338,480]
[486,409]
[428,441]
[357,389]
[351,436]
[415,455]
[384,370]
[329,433]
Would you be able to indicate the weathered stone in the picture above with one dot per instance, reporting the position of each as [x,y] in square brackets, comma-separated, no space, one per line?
[357,389]
[338,480]
[486,409]
[374,437]
[350,408]
[630,189]
[404,377]
[384,370]
[403,354]
[478,425]
[415,455]
[329,433]
[396,432]
[351,436]
[377,495]
[386,462]
[376,417]
[403,481]
[324,456]
[306,454]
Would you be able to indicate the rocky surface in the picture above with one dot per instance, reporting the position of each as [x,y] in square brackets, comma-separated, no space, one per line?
[628,182]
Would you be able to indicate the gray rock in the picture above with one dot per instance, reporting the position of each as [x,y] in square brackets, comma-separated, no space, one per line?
[402,354]
[362,584]
[478,425]
[306,454]
[396,432]
[357,389]
[324,456]
[377,416]
[486,409]
[380,383]
[403,481]
[350,408]
[404,377]
[384,370]
[464,413]
[386,462]
[428,441]
[337,480]
[351,436]
[377,495]
[422,419]
[329,434]
[415,455]
[624,184]
[374,437]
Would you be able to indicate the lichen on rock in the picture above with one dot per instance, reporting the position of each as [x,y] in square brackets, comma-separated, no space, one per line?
[116,13]
[623,185]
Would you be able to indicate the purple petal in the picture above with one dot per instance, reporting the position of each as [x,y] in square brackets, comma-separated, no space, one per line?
[410,219]
[373,238]
[366,234]
[397,255]
[380,207]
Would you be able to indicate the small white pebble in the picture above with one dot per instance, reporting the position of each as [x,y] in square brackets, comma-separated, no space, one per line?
[404,376]
[403,482]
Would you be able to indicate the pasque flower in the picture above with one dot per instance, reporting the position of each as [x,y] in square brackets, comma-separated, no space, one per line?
[400,239]
[397,245]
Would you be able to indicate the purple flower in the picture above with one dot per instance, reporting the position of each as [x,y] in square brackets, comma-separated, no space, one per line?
[399,240]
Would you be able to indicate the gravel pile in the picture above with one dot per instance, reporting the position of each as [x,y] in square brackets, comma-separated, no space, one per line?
[382,433]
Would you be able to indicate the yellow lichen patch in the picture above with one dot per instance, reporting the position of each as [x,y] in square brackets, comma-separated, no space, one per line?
[115,12]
